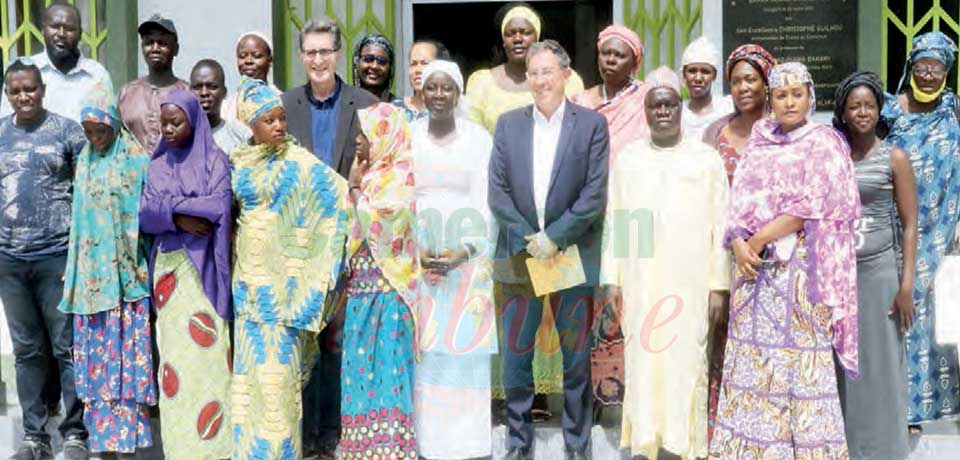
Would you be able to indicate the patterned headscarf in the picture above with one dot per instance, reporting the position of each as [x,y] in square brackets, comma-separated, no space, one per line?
[374,39]
[854,81]
[934,45]
[256,99]
[629,37]
[521,12]
[386,208]
[794,73]
[106,260]
[701,51]
[100,106]
[754,54]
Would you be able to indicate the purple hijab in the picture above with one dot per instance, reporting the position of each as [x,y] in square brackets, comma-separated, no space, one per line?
[192,180]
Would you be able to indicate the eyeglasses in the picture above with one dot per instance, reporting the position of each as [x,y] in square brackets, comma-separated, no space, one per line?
[371,58]
[545,73]
[322,52]
[930,71]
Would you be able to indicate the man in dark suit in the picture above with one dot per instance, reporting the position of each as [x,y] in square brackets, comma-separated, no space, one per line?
[322,116]
[548,188]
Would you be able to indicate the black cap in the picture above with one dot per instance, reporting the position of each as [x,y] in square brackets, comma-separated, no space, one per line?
[157,22]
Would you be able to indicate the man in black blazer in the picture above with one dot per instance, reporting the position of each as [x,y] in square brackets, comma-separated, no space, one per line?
[322,116]
[547,191]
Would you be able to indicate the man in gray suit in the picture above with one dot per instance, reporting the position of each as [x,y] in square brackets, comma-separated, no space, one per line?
[547,191]
[322,116]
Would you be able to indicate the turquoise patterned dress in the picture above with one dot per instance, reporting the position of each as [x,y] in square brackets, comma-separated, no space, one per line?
[931,142]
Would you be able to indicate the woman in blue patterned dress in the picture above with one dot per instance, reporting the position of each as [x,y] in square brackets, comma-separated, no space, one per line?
[106,286]
[923,122]
[380,318]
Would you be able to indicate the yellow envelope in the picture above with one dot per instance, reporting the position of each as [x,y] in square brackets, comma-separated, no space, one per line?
[563,271]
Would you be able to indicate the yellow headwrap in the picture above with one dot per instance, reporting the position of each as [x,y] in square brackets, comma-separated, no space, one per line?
[521,12]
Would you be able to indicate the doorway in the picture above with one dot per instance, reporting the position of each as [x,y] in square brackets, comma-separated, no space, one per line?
[471,31]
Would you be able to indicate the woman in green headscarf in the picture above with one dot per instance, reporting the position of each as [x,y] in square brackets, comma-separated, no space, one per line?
[106,284]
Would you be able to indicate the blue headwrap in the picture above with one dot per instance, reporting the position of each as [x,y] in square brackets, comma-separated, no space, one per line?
[256,99]
[935,45]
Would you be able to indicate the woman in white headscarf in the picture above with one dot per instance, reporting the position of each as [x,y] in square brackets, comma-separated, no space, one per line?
[457,322]
[699,67]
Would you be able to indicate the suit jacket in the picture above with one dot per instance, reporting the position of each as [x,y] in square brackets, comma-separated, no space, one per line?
[300,121]
[577,196]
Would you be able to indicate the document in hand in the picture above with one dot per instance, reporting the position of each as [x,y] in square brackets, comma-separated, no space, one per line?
[563,271]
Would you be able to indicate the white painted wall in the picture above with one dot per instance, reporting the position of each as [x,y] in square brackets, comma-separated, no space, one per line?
[209,29]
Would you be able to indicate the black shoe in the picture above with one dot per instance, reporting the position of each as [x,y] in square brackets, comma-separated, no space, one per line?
[577,455]
[75,448]
[517,453]
[32,449]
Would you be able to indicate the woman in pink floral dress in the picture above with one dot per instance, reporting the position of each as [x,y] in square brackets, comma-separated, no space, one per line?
[790,224]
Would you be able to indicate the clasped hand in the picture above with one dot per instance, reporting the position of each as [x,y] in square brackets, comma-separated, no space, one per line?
[539,246]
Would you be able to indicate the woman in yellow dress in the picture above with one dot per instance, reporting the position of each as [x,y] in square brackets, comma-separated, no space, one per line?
[492,92]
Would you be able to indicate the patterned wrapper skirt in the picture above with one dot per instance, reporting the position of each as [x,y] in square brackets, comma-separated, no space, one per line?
[778,396]
[377,368]
[271,366]
[195,363]
[113,363]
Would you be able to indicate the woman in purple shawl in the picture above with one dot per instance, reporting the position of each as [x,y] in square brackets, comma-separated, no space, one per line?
[186,205]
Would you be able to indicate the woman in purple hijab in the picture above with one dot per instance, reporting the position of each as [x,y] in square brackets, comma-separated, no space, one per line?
[186,205]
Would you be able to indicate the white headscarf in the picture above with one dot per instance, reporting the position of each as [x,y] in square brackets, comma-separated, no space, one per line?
[702,51]
[452,70]
[260,35]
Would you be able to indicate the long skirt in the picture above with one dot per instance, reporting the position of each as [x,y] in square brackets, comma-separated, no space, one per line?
[874,405]
[778,398]
[271,366]
[377,378]
[547,358]
[195,363]
[113,363]
[452,397]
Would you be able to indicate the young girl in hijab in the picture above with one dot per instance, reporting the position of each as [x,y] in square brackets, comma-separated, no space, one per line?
[186,207]
[106,284]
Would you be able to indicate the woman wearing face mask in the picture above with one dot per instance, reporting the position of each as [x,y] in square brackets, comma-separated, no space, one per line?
[503,88]
[884,288]
[457,323]
[790,225]
[185,206]
[422,53]
[746,71]
[923,121]
[106,286]
[373,66]
[291,229]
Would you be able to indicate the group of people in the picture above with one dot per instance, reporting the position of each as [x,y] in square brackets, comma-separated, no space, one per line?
[337,271]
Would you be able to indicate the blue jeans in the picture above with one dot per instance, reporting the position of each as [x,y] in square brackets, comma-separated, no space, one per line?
[30,291]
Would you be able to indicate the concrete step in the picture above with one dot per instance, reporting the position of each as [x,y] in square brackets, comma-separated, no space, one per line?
[940,441]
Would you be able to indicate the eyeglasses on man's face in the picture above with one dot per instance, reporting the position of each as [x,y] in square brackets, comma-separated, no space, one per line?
[323,53]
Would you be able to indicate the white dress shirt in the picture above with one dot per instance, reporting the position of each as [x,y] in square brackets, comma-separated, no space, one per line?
[546,136]
[65,94]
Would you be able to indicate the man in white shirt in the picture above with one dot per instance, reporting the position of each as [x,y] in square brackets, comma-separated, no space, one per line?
[563,148]
[68,75]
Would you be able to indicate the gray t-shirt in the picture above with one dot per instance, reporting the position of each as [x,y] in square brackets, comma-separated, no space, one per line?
[36,185]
